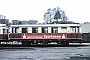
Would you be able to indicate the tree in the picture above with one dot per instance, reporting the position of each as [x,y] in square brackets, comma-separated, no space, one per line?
[57,15]
[48,15]
[54,14]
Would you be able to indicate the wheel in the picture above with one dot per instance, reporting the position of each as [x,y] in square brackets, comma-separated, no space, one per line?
[64,43]
[26,43]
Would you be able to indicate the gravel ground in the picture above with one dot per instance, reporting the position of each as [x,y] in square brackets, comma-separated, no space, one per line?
[47,53]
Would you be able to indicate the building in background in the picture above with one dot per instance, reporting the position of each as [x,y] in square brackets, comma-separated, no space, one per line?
[15,22]
[32,22]
[22,22]
[4,21]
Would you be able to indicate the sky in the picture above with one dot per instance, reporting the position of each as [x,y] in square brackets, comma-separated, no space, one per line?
[76,10]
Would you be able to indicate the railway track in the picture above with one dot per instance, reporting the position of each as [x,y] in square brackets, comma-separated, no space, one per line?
[34,45]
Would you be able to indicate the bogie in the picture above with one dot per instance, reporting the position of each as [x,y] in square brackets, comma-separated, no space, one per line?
[26,43]
[64,43]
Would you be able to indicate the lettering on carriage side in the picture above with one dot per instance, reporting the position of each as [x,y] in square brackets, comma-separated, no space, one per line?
[24,36]
[52,36]
[44,36]
[38,37]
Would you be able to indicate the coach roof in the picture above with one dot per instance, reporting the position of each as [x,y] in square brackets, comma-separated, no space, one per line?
[2,25]
[45,25]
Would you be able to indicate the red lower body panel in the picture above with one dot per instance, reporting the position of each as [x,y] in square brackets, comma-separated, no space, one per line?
[46,36]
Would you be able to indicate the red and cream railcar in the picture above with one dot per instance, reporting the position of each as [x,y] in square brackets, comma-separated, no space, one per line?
[46,33]
[3,32]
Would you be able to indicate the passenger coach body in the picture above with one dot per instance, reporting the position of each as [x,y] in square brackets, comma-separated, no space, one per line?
[46,33]
[43,34]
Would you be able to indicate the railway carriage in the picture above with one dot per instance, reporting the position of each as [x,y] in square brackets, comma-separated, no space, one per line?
[3,32]
[46,33]
[85,32]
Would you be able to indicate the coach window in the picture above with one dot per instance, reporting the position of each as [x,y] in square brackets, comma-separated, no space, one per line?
[24,30]
[4,31]
[45,30]
[73,29]
[63,29]
[13,30]
[34,30]
[16,29]
[54,29]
